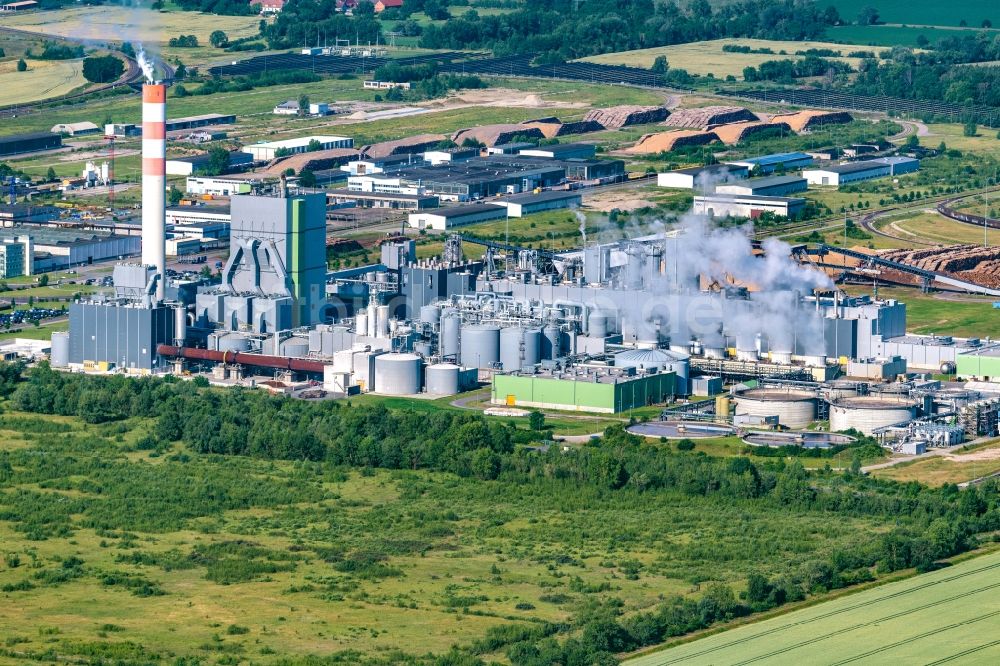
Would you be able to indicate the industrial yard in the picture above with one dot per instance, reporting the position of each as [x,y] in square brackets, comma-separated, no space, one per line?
[547,355]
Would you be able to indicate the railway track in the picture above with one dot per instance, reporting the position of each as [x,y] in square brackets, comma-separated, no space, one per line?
[945,208]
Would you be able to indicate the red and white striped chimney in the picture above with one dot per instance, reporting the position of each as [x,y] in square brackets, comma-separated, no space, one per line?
[154,180]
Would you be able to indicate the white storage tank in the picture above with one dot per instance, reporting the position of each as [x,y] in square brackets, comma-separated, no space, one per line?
[520,347]
[869,412]
[59,355]
[397,374]
[295,347]
[839,389]
[382,321]
[361,323]
[551,342]
[451,324]
[597,325]
[480,346]
[233,342]
[443,379]
[794,409]
[781,357]
[430,314]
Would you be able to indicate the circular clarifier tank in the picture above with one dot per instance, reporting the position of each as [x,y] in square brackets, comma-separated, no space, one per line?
[681,429]
[805,439]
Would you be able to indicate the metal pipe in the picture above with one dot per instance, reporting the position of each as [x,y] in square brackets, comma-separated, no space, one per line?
[242,358]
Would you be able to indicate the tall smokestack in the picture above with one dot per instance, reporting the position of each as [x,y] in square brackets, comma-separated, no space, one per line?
[154,180]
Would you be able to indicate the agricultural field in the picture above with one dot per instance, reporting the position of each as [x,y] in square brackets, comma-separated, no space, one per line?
[707,57]
[140,26]
[949,615]
[923,12]
[887,35]
[43,79]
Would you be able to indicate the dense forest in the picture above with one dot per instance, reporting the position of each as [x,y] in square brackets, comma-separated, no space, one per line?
[921,525]
[933,75]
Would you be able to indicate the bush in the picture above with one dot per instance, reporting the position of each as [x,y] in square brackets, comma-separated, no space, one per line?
[102,69]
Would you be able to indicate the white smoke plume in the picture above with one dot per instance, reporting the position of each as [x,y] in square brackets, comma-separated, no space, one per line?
[582,219]
[146,64]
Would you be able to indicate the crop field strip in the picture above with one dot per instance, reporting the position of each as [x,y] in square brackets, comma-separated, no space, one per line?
[683,655]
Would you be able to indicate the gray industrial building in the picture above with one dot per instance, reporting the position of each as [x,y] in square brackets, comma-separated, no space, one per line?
[520,205]
[771,186]
[18,144]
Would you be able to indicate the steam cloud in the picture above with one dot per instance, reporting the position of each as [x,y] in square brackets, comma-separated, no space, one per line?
[146,64]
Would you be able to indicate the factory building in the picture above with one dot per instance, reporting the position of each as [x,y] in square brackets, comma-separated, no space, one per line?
[12,259]
[18,144]
[899,165]
[704,177]
[351,198]
[602,390]
[982,364]
[13,214]
[747,206]
[771,186]
[210,222]
[195,164]
[600,170]
[851,172]
[776,162]
[520,205]
[194,122]
[268,150]
[75,129]
[443,219]
[221,186]
[55,248]
[561,151]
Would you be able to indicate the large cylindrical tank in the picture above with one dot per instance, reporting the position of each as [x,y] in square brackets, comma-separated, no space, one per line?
[746,348]
[233,342]
[295,347]
[442,379]
[839,389]
[430,314]
[722,405]
[781,357]
[382,321]
[361,323]
[59,355]
[180,325]
[372,320]
[869,412]
[597,324]
[714,352]
[520,347]
[397,374]
[480,347]
[948,400]
[794,409]
[451,325]
[551,346]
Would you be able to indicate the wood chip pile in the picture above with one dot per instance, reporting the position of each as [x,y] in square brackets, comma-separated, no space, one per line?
[616,117]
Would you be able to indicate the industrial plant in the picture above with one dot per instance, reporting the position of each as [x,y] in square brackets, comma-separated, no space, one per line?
[723,332]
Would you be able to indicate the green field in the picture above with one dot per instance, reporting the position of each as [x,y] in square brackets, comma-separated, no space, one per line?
[889,35]
[43,79]
[944,314]
[951,615]
[922,12]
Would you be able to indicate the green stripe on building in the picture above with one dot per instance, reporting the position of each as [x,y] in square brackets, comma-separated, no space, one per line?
[583,395]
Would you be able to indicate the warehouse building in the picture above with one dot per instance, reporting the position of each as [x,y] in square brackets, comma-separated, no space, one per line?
[12,255]
[604,390]
[775,162]
[17,144]
[520,205]
[851,172]
[56,248]
[772,186]
[195,164]
[205,120]
[222,186]
[561,151]
[76,129]
[747,205]
[703,177]
[443,219]
[603,170]
[350,198]
[11,214]
[268,150]
[210,222]
[898,164]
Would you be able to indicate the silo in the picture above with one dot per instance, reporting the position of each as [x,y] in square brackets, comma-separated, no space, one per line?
[520,347]
[451,324]
[480,346]
[597,324]
[869,412]
[382,321]
[372,319]
[442,379]
[233,342]
[794,409]
[59,355]
[430,314]
[551,347]
[295,347]
[781,357]
[423,348]
[397,374]
[180,325]
[361,322]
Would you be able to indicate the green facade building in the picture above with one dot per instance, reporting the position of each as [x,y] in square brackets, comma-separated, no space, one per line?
[983,364]
[602,391]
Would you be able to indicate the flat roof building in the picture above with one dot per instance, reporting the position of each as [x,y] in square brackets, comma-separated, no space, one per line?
[851,172]
[17,144]
[199,221]
[443,219]
[268,150]
[606,390]
[776,161]
[561,151]
[382,200]
[748,206]
[703,177]
[899,164]
[586,169]
[204,120]
[520,205]
[774,186]
[221,186]
[189,166]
